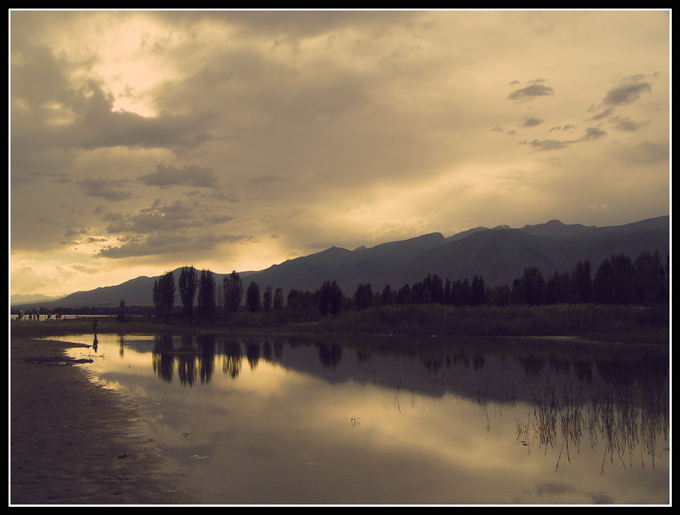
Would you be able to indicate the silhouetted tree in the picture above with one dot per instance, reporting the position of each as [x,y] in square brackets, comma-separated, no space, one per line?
[363,297]
[188,283]
[517,295]
[325,298]
[206,294]
[477,291]
[267,299]
[447,291]
[233,292]
[650,278]
[337,299]
[330,298]
[404,295]
[581,283]
[558,288]
[388,296]
[156,297]
[498,295]
[461,292]
[433,289]
[532,286]
[278,299]
[614,281]
[164,295]
[421,292]
[121,311]
[253,301]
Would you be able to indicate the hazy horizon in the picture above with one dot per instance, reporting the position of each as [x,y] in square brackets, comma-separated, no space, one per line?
[143,141]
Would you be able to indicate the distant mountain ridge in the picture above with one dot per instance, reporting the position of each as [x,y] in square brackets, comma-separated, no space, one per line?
[27,299]
[498,255]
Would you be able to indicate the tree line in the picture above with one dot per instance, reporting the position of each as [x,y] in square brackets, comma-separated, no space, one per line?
[202,297]
[618,280]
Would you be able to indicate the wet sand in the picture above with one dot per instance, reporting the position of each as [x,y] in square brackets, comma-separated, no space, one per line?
[72,442]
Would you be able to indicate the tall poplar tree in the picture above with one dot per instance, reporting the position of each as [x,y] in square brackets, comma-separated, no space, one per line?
[188,283]
[233,292]
[164,295]
[206,294]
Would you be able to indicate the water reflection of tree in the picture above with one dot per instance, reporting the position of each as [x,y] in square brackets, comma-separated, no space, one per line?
[206,357]
[192,362]
[231,358]
[624,422]
[330,354]
[162,359]
[186,361]
[253,353]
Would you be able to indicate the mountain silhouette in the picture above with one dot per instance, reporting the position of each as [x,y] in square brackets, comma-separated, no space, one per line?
[498,255]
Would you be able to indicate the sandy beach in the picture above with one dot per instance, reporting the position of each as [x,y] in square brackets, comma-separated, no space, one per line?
[74,443]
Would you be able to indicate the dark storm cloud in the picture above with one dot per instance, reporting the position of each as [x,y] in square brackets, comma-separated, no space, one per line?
[50,111]
[547,144]
[267,178]
[532,122]
[21,176]
[38,77]
[154,245]
[567,127]
[291,26]
[225,196]
[176,227]
[107,189]
[98,126]
[167,176]
[591,134]
[626,124]
[72,235]
[624,94]
[646,153]
[164,217]
[532,91]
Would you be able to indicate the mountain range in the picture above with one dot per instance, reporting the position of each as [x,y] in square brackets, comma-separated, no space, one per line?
[498,255]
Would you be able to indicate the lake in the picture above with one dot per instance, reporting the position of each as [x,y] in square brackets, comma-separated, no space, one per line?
[386,420]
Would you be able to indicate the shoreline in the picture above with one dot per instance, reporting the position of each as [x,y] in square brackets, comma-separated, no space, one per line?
[73,442]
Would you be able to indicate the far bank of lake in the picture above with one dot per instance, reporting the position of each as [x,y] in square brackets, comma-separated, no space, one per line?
[592,322]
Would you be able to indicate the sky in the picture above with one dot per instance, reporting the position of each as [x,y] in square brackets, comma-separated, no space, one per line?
[143,141]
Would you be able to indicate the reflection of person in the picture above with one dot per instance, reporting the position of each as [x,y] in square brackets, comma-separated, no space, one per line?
[94,328]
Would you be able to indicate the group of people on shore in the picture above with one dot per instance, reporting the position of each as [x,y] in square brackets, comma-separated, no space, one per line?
[35,315]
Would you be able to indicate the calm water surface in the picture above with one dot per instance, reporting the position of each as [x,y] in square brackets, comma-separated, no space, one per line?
[386,420]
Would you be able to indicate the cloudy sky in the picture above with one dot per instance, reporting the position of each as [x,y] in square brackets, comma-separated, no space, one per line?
[231,140]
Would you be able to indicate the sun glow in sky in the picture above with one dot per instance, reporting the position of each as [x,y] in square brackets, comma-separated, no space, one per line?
[142,141]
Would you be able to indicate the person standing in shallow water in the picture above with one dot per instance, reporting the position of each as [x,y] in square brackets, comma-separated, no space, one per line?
[94,328]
